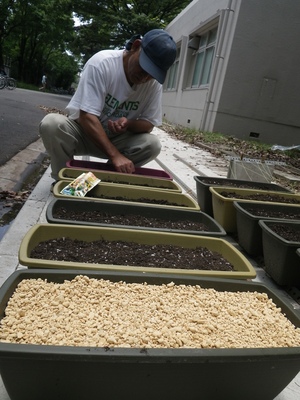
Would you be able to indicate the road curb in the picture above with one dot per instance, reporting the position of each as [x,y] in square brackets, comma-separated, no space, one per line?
[17,171]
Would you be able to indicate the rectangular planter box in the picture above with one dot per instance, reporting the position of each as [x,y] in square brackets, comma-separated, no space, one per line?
[280,256]
[123,179]
[41,232]
[223,208]
[127,194]
[165,214]
[248,229]
[244,169]
[77,373]
[204,195]
[90,165]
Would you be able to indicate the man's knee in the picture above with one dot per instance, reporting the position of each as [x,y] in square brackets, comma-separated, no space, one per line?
[50,124]
[155,145]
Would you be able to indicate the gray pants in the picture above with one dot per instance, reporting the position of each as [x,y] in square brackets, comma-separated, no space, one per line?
[63,138]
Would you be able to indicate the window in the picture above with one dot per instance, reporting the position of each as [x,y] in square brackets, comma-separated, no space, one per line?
[202,58]
[171,80]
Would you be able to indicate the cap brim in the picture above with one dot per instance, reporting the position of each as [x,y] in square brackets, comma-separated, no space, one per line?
[152,69]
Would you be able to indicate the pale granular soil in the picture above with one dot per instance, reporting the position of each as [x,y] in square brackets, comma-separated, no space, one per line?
[100,313]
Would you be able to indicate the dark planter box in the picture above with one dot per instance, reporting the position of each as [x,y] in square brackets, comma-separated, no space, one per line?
[242,268]
[90,165]
[129,179]
[125,194]
[204,195]
[165,214]
[32,372]
[248,229]
[280,257]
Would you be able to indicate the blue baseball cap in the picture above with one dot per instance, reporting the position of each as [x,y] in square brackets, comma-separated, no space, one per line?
[158,53]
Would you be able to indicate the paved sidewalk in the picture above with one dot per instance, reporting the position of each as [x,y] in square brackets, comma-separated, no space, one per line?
[182,160]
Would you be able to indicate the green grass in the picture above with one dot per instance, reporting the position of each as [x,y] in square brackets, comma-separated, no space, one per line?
[27,86]
[191,135]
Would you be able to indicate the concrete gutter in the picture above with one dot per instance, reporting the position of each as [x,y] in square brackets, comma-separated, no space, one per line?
[16,171]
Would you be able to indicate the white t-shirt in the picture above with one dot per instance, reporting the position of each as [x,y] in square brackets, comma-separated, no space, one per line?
[103,91]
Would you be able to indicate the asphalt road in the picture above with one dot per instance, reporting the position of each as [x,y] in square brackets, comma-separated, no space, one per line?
[20,114]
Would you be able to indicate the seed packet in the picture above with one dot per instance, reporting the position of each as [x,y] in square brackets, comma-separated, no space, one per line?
[81,185]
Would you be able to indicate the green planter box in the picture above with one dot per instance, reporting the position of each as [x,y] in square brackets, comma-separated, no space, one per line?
[248,229]
[224,210]
[65,372]
[204,195]
[41,232]
[107,192]
[129,179]
[164,214]
[280,255]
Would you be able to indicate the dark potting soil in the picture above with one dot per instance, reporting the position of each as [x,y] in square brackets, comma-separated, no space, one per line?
[262,212]
[120,182]
[128,219]
[261,197]
[286,232]
[139,200]
[250,185]
[130,253]
[134,184]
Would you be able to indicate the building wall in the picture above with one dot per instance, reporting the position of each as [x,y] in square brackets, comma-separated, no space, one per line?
[254,87]
[186,106]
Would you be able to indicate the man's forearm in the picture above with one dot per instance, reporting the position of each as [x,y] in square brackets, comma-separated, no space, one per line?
[139,126]
[94,130]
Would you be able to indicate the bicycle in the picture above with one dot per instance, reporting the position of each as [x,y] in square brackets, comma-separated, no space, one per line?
[6,82]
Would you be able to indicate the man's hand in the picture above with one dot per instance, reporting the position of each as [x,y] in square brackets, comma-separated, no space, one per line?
[118,126]
[94,130]
[123,164]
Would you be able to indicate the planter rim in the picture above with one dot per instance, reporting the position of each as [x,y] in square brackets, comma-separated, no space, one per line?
[190,203]
[133,180]
[239,205]
[197,215]
[246,270]
[216,191]
[222,284]
[202,179]
[144,171]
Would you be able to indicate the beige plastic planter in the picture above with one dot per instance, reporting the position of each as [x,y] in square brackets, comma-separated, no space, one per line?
[42,232]
[123,179]
[204,196]
[115,193]
[225,212]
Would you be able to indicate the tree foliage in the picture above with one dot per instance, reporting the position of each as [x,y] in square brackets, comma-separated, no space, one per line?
[38,37]
[110,23]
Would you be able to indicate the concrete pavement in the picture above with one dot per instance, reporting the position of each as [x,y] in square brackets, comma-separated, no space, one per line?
[182,160]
